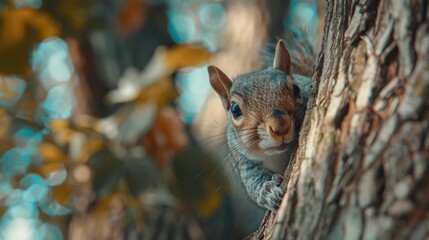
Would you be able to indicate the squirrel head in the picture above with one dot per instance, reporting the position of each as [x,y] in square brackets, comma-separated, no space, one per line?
[262,106]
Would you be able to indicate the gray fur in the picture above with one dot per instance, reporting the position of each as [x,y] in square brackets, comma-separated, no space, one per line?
[261,184]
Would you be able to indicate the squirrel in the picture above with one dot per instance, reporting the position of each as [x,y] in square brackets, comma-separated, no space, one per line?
[265,110]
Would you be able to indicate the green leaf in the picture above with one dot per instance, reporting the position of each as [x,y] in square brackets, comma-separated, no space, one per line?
[199,181]
[108,170]
[140,172]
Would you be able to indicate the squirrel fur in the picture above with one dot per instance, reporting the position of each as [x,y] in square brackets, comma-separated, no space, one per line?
[265,110]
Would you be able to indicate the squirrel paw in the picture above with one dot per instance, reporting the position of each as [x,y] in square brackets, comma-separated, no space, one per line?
[271,193]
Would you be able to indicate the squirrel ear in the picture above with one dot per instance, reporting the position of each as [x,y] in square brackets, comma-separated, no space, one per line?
[221,84]
[282,58]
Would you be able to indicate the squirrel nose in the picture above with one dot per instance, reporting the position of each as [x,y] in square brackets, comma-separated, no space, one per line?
[277,129]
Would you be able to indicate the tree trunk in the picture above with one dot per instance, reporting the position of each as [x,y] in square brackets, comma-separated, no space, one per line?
[361,169]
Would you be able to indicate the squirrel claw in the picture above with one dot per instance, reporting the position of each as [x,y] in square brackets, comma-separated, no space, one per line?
[271,193]
[278,179]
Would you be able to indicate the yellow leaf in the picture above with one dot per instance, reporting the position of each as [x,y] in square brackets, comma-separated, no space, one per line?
[20,30]
[182,56]
[75,12]
[11,89]
[91,146]
[64,135]
[26,105]
[61,193]
[121,194]
[211,201]
[197,181]
[162,64]
[62,130]
[5,146]
[208,199]
[103,204]
[51,154]
[54,161]
[57,124]
[161,92]
[5,120]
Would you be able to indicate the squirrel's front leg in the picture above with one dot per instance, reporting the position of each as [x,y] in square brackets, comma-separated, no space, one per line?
[262,185]
[271,193]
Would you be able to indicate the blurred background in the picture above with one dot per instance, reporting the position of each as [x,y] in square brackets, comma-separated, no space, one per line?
[108,126]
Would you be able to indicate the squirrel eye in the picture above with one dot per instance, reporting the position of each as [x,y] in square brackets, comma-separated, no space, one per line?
[235,110]
[296,91]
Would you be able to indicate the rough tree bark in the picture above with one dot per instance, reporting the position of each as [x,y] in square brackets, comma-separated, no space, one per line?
[361,170]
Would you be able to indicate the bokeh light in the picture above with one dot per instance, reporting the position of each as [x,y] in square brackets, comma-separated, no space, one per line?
[28,3]
[15,161]
[303,15]
[194,86]
[59,103]
[56,178]
[22,210]
[35,186]
[26,135]
[49,232]
[195,22]
[5,187]
[181,25]
[51,61]
[55,209]
[20,228]
[212,16]
[11,90]
[23,192]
